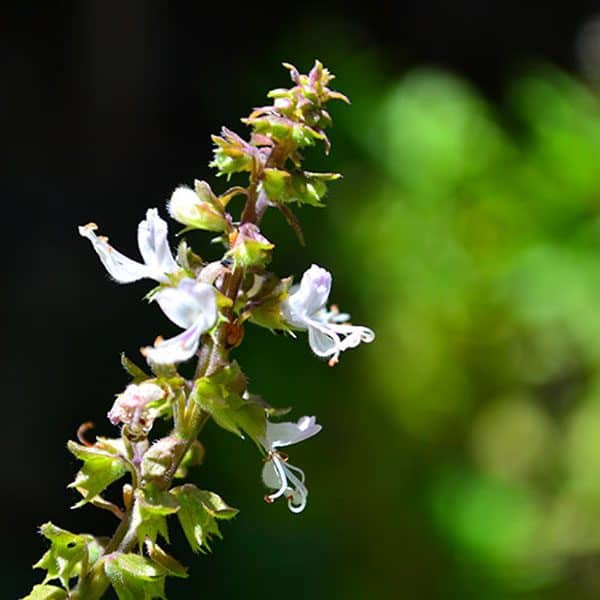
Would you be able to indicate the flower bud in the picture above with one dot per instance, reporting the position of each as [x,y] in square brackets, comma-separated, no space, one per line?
[198,212]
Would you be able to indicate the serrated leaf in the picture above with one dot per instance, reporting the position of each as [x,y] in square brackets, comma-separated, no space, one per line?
[150,512]
[168,563]
[215,505]
[135,577]
[67,556]
[46,592]
[136,373]
[100,469]
[198,514]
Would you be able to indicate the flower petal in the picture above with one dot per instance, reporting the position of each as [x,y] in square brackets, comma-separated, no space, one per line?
[322,340]
[274,477]
[154,247]
[284,434]
[308,298]
[120,268]
[329,339]
[176,349]
[297,493]
[190,302]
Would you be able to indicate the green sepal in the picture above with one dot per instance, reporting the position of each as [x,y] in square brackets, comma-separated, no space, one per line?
[150,512]
[303,187]
[247,253]
[276,183]
[188,259]
[284,129]
[68,555]
[135,577]
[271,411]
[232,154]
[46,592]
[171,565]
[101,467]
[193,457]
[137,375]
[199,210]
[266,304]
[198,514]
[220,395]
[158,459]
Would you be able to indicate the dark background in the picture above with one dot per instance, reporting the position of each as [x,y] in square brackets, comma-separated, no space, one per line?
[105,108]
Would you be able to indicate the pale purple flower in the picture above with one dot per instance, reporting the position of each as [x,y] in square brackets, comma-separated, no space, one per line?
[131,407]
[278,474]
[192,305]
[153,245]
[306,309]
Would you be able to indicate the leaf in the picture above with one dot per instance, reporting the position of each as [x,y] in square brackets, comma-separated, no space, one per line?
[68,555]
[220,396]
[100,469]
[215,505]
[136,373]
[135,577]
[150,512]
[198,514]
[46,592]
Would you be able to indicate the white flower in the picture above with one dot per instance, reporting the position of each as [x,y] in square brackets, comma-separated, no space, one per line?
[305,309]
[193,306]
[154,248]
[286,479]
[131,407]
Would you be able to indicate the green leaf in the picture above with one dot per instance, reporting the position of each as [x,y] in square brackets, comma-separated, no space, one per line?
[46,592]
[198,514]
[150,512]
[135,577]
[68,555]
[136,373]
[100,469]
[220,396]
[215,505]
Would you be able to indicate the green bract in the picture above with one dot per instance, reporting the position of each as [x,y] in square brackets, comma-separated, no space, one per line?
[69,555]
[198,514]
[100,469]
[135,577]
[220,395]
[46,592]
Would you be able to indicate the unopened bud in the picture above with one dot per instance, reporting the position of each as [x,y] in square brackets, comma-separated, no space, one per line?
[196,211]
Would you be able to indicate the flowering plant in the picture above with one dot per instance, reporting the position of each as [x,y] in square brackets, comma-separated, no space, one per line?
[211,302]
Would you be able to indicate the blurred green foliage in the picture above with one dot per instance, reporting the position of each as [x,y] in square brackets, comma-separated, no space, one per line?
[472,235]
